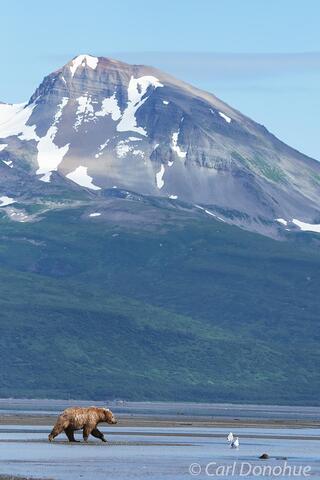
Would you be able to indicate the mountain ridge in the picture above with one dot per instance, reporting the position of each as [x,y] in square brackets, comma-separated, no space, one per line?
[160,306]
[102,123]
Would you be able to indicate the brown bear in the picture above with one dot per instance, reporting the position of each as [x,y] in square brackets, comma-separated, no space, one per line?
[86,419]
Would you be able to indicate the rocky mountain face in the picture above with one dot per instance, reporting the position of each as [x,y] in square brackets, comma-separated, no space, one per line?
[99,124]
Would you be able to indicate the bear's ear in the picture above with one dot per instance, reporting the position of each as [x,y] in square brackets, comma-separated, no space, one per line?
[107,413]
[109,417]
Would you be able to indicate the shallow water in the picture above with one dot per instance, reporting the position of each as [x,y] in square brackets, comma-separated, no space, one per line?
[159,453]
[151,453]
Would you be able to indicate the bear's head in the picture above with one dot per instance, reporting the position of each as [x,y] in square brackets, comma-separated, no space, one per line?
[109,417]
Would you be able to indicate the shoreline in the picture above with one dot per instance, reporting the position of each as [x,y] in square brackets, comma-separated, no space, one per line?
[163,421]
[14,477]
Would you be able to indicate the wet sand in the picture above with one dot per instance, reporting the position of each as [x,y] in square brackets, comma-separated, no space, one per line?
[149,445]
[154,453]
[165,422]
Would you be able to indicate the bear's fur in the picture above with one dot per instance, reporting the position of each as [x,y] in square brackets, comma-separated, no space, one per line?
[86,419]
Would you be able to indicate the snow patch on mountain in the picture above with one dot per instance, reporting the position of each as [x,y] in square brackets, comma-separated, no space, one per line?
[4,201]
[81,177]
[46,177]
[83,60]
[137,90]
[225,117]
[110,106]
[307,227]
[49,154]
[101,148]
[206,211]
[3,146]
[210,213]
[15,122]
[95,214]
[138,152]
[9,163]
[8,110]
[18,216]
[165,102]
[175,147]
[85,111]
[159,177]
[122,149]
[282,221]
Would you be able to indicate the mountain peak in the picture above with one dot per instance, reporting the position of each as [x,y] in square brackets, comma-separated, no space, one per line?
[101,123]
[83,60]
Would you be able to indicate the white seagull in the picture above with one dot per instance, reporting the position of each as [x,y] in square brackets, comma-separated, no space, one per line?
[230,437]
[235,443]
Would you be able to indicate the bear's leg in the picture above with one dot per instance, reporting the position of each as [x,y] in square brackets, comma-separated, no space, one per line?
[96,433]
[60,425]
[70,434]
[87,429]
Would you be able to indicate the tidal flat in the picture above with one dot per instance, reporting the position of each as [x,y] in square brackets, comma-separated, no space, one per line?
[162,441]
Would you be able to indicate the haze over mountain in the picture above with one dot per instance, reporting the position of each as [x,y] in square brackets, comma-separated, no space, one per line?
[100,124]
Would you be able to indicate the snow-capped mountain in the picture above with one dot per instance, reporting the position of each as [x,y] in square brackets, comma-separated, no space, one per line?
[98,123]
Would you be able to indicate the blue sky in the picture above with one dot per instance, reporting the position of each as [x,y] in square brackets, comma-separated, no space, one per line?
[260,56]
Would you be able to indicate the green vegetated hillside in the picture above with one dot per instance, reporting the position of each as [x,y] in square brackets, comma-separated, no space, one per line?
[186,310]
